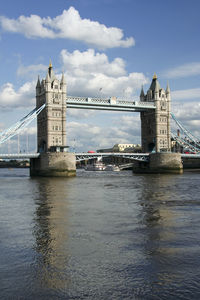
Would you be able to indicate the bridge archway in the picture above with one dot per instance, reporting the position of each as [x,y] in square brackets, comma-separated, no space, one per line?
[151,147]
[42,147]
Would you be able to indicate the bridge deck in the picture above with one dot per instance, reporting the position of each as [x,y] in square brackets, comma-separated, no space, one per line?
[84,155]
[19,155]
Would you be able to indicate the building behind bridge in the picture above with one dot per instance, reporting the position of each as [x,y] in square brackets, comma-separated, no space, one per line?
[131,148]
[120,148]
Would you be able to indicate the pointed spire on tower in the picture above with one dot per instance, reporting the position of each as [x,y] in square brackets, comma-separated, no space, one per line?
[167,89]
[155,86]
[63,81]
[155,76]
[38,82]
[48,77]
[142,92]
[50,64]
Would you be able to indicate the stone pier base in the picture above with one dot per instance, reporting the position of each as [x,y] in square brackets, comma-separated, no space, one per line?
[53,164]
[163,162]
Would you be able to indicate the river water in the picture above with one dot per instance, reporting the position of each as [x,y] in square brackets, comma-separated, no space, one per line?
[100,235]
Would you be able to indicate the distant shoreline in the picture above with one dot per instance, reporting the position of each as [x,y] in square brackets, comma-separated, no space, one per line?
[14,164]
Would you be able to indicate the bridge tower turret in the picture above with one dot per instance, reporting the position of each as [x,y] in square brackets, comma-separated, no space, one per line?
[51,122]
[155,125]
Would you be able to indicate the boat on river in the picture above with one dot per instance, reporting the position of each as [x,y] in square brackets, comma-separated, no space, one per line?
[98,166]
[112,168]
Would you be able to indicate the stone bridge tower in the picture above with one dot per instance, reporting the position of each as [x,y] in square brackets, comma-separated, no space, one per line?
[51,122]
[155,125]
[54,159]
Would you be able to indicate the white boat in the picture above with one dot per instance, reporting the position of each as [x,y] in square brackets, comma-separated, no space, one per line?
[112,168]
[98,166]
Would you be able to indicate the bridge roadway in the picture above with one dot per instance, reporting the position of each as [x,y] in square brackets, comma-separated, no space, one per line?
[19,155]
[112,104]
[85,156]
[79,156]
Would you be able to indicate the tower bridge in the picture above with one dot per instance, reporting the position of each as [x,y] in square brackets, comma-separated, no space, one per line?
[52,102]
[154,108]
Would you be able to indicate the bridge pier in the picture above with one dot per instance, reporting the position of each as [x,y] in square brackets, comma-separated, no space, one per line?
[53,164]
[166,162]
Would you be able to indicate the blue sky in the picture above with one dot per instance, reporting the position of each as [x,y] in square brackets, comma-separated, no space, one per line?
[116,45]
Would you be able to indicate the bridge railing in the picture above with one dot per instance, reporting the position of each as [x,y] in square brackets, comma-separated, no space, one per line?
[19,155]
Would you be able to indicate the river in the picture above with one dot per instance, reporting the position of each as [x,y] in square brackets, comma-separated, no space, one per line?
[100,235]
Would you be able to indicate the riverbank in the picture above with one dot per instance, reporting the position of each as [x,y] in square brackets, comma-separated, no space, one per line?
[14,164]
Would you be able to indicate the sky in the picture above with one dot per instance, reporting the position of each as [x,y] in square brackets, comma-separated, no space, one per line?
[105,48]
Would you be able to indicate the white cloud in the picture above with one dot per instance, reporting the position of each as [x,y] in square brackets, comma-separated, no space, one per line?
[188,114]
[2,126]
[122,129]
[23,97]
[80,113]
[130,123]
[32,130]
[186,108]
[31,70]
[186,94]
[88,74]
[91,74]
[68,25]
[186,111]
[186,70]
[81,63]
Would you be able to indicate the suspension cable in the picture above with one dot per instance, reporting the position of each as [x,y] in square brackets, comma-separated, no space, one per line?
[185,143]
[189,134]
[20,125]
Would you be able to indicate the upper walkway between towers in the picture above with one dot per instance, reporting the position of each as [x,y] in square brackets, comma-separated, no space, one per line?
[112,104]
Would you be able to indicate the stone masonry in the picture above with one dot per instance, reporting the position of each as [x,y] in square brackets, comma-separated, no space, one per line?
[155,125]
[51,122]
[54,160]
